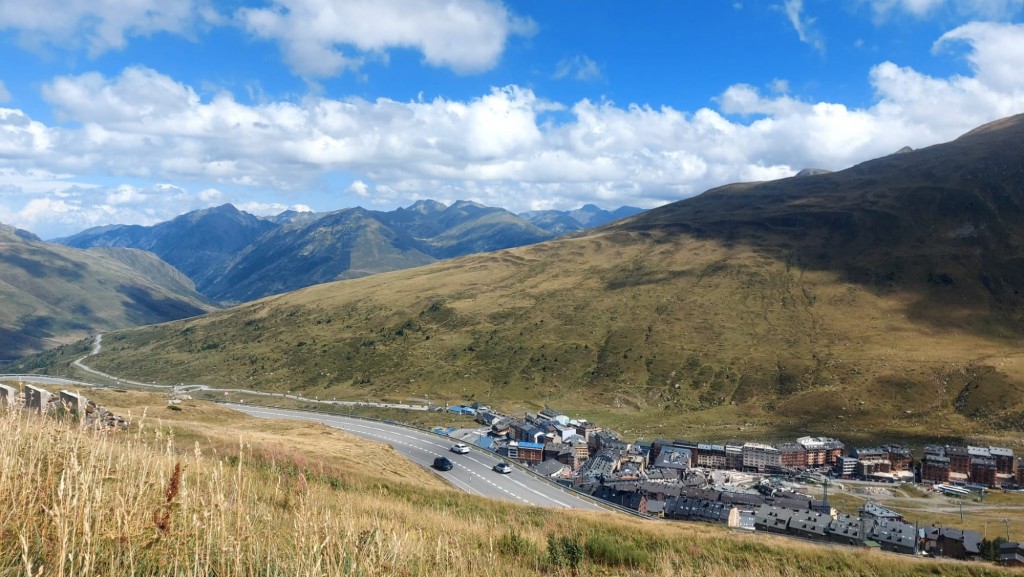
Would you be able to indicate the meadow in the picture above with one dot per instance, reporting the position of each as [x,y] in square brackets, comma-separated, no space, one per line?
[205,491]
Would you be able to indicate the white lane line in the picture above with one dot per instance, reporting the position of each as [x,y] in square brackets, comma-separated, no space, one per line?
[384,435]
[379,433]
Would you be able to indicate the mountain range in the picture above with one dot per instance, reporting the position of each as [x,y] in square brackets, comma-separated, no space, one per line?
[53,294]
[884,299]
[233,256]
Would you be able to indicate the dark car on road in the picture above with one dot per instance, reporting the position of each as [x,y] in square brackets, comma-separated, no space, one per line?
[443,464]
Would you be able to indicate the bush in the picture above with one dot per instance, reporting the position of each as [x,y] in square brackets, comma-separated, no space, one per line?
[565,551]
[515,546]
[607,551]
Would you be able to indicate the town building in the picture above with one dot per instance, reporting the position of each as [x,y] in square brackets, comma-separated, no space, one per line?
[760,457]
[711,456]
[935,468]
[792,455]
[959,459]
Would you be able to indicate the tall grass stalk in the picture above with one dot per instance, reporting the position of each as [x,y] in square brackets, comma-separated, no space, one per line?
[83,503]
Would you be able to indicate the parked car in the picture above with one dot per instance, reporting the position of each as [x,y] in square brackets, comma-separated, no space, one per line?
[460,448]
[443,464]
[503,468]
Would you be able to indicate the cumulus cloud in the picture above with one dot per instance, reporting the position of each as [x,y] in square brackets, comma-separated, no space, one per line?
[502,148]
[579,67]
[52,207]
[98,26]
[322,38]
[804,25]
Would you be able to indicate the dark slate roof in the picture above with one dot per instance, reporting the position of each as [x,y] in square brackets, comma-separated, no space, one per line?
[810,522]
[792,502]
[894,533]
[846,527]
[898,450]
[772,517]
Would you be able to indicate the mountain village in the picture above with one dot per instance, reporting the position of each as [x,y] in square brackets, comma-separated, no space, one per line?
[750,485]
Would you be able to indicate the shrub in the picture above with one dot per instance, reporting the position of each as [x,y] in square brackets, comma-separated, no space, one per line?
[515,546]
[607,551]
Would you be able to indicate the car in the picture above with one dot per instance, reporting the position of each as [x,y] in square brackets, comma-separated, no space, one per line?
[443,464]
[503,468]
[460,448]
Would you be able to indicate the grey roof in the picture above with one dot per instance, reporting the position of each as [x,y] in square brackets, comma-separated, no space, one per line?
[862,452]
[894,449]
[772,518]
[655,506]
[809,523]
[872,510]
[673,458]
[978,451]
[549,468]
[1000,452]
[895,533]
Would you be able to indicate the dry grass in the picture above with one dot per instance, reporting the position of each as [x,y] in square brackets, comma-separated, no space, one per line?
[146,502]
[651,335]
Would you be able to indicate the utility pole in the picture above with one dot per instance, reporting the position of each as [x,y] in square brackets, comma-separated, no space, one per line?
[1007,522]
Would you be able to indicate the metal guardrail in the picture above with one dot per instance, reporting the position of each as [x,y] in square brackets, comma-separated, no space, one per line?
[568,490]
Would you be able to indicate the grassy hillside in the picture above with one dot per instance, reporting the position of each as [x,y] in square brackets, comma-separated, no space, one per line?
[878,303]
[202,491]
[52,294]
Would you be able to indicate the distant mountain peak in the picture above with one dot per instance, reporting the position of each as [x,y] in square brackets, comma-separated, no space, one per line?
[812,172]
[427,206]
[10,231]
[904,150]
[458,204]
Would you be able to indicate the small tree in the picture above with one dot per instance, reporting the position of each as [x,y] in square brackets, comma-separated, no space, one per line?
[990,548]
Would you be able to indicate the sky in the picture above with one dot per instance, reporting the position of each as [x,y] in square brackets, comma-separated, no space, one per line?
[135,111]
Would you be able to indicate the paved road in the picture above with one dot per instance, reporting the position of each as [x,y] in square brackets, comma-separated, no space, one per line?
[473,472]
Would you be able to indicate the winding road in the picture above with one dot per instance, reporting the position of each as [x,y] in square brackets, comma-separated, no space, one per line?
[472,472]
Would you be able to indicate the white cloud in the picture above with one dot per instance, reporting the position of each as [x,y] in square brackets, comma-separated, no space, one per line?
[501,148]
[98,25]
[997,53]
[211,195]
[324,37]
[269,208]
[988,9]
[804,25]
[779,85]
[358,188]
[579,67]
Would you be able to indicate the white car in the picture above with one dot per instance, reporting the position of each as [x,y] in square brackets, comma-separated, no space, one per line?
[503,468]
[460,448]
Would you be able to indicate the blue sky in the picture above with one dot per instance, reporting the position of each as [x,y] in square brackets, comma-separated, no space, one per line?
[134,112]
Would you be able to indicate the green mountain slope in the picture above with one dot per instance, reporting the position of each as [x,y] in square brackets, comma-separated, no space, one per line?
[880,300]
[53,294]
